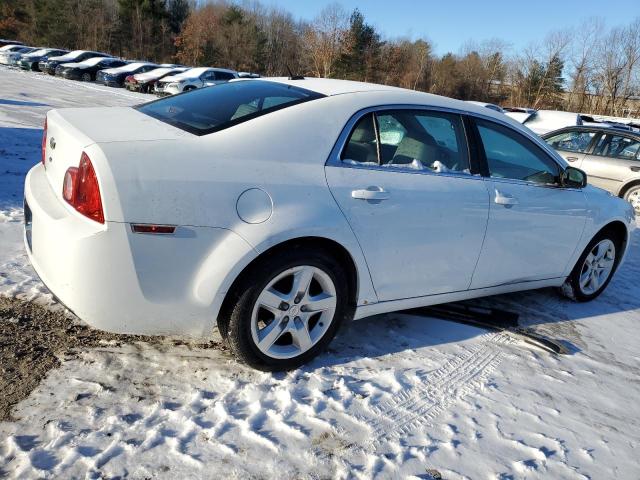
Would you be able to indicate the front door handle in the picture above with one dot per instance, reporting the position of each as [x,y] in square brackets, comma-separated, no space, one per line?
[505,199]
[634,169]
[370,193]
[572,159]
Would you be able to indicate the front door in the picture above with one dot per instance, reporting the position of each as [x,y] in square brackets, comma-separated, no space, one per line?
[534,224]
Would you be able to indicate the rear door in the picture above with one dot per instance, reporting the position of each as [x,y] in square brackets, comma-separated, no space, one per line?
[403,180]
[613,162]
[573,144]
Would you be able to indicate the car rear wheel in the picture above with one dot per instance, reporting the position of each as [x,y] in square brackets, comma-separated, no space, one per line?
[86,77]
[286,309]
[595,268]
[633,197]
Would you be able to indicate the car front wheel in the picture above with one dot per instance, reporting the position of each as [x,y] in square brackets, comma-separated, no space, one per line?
[86,77]
[595,268]
[286,309]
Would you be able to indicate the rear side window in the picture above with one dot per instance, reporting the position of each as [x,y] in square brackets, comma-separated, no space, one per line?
[224,76]
[616,146]
[208,110]
[409,140]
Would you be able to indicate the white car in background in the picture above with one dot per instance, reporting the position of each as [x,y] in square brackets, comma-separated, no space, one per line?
[519,114]
[545,121]
[192,79]
[281,208]
[12,56]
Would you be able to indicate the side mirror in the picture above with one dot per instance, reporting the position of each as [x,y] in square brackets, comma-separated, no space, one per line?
[573,178]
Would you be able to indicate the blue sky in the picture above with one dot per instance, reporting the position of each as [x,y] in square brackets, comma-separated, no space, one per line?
[450,24]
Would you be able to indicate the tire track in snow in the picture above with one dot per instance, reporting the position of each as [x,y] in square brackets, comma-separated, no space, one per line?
[419,406]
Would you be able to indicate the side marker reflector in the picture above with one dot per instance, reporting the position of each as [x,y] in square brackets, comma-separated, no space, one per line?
[150,228]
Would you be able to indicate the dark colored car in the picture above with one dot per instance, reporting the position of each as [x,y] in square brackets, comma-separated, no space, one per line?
[52,63]
[31,61]
[87,70]
[114,77]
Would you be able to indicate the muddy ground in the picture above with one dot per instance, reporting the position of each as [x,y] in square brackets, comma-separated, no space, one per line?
[33,338]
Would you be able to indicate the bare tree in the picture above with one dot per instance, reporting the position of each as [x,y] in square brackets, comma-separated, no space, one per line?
[324,39]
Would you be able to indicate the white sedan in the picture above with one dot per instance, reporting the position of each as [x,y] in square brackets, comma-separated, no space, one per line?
[194,78]
[278,209]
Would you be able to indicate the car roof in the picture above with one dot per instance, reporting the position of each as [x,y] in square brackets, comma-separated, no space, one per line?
[589,128]
[393,95]
[331,86]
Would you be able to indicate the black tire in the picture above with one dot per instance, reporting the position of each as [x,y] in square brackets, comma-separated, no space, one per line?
[234,322]
[633,192]
[571,288]
[86,77]
[188,88]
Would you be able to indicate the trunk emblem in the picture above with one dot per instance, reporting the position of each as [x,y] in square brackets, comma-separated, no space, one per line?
[52,143]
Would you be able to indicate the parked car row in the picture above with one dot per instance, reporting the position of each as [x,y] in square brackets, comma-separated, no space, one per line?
[90,66]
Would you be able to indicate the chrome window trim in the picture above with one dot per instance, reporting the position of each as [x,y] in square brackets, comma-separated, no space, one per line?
[334,159]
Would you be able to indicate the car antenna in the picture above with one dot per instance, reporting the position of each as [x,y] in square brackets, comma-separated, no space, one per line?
[292,76]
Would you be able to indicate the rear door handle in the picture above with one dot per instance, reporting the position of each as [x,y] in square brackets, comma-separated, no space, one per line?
[635,169]
[370,193]
[505,199]
[572,159]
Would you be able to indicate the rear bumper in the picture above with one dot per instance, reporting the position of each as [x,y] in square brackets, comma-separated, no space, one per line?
[123,282]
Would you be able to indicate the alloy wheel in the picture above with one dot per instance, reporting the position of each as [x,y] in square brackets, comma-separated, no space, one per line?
[293,312]
[633,197]
[597,267]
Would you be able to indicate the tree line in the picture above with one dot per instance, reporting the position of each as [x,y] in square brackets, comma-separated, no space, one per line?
[590,69]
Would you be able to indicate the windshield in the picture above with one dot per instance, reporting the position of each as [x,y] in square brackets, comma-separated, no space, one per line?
[92,61]
[191,73]
[158,71]
[208,110]
[131,67]
[71,55]
[37,53]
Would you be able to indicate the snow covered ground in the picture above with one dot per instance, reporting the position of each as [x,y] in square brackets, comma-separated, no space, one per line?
[397,396]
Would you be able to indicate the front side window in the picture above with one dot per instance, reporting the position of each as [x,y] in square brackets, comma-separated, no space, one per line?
[409,139]
[511,155]
[208,110]
[617,146]
[575,141]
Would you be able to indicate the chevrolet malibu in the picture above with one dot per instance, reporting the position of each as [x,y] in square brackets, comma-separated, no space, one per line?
[278,209]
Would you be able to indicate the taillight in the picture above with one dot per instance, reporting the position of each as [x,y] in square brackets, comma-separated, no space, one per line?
[44,141]
[80,189]
[130,79]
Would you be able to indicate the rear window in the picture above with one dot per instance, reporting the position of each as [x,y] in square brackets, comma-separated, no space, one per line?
[210,109]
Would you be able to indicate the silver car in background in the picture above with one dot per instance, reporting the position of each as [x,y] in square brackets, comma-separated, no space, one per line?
[609,156]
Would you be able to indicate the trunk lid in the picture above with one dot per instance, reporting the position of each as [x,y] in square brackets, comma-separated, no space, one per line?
[70,131]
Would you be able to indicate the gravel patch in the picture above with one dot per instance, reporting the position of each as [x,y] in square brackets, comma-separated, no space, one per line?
[34,338]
